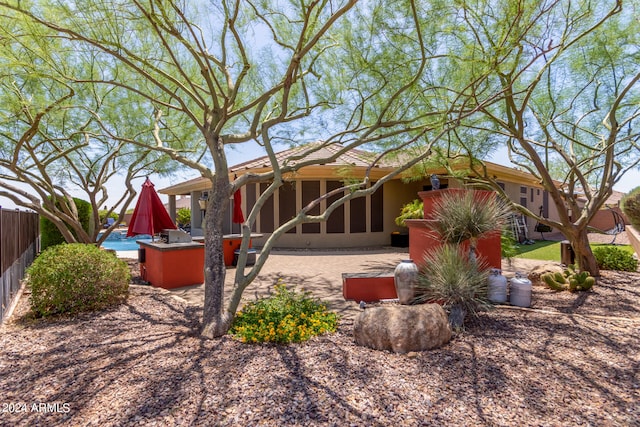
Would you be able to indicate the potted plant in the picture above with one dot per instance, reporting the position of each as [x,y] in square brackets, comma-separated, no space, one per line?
[468,215]
[450,275]
[411,210]
[450,278]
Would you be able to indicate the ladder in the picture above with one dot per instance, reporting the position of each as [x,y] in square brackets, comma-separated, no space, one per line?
[519,229]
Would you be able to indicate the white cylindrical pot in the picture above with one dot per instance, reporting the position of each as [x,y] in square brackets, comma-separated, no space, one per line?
[520,290]
[497,287]
[405,278]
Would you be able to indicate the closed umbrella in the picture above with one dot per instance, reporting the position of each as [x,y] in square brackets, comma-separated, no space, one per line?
[238,216]
[149,215]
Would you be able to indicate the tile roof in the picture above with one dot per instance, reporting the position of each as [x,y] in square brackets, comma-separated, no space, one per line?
[312,151]
[319,151]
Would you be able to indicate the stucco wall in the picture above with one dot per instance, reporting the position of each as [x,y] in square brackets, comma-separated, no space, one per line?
[604,219]
[395,195]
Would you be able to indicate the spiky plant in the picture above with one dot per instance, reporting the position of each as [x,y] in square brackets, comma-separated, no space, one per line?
[468,215]
[451,278]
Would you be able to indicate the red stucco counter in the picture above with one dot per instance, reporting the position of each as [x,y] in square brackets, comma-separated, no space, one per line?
[172,265]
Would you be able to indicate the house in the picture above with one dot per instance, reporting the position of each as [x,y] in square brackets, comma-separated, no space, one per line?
[361,222]
[182,202]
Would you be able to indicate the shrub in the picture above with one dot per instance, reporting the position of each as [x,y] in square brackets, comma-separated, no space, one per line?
[76,277]
[284,317]
[51,236]
[630,204]
[183,216]
[612,258]
[103,216]
[411,210]
[508,246]
[459,283]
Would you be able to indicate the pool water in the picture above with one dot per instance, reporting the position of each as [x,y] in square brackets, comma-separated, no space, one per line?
[118,241]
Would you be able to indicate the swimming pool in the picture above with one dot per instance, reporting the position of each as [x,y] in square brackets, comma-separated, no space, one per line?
[118,241]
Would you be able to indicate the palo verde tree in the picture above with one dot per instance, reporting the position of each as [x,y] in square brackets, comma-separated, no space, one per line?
[570,107]
[57,136]
[341,74]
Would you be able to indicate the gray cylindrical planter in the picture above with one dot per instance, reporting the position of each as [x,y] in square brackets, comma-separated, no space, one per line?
[405,278]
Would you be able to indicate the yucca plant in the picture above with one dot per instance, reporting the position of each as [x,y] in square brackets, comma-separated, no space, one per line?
[461,285]
[468,215]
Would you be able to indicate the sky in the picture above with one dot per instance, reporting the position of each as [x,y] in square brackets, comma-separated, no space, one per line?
[628,182]
[116,187]
[251,151]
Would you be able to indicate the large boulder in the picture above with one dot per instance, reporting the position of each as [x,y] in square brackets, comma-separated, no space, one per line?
[536,273]
[402,328]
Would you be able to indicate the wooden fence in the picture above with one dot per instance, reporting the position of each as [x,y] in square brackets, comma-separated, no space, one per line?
[19,244]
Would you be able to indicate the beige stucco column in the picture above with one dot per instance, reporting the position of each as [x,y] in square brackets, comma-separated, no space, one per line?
[172,207]
[196,214]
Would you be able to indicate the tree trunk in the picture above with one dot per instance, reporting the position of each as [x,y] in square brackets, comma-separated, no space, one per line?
[584,256]
[216,322]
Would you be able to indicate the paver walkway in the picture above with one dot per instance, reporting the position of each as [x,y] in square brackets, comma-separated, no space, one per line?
[320,272]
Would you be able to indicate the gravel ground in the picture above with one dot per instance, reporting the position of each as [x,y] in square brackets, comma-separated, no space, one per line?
[573,359]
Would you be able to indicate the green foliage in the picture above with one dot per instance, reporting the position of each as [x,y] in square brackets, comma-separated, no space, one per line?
[450,277]
[613,258]
[467,215]
[411,210]
[103,215]
[570,279]
[51,236]
[548,250]
[183,216]
[284,317]
[508,246]
[76,277]
[630,204]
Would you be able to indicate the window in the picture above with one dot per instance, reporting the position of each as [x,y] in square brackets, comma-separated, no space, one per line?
[377,211]
[335,222]
[251,201]
[266,213]
[287,203]
[358,215]
[310,192]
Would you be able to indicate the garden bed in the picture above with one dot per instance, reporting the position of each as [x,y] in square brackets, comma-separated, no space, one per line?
[143,363]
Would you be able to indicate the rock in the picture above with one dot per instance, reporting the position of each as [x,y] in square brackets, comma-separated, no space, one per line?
[402,328]
[536,272]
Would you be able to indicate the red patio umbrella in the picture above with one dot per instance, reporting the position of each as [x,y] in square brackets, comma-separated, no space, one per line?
[149,215]
[238,216]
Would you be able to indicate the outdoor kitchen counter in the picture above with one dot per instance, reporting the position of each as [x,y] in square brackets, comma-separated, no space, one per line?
[161,246]
[231,243]
[172,265]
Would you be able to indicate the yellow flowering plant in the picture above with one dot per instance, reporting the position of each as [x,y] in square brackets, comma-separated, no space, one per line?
[284,317]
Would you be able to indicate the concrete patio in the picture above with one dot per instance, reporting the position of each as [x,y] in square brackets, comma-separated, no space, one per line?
[320,272]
